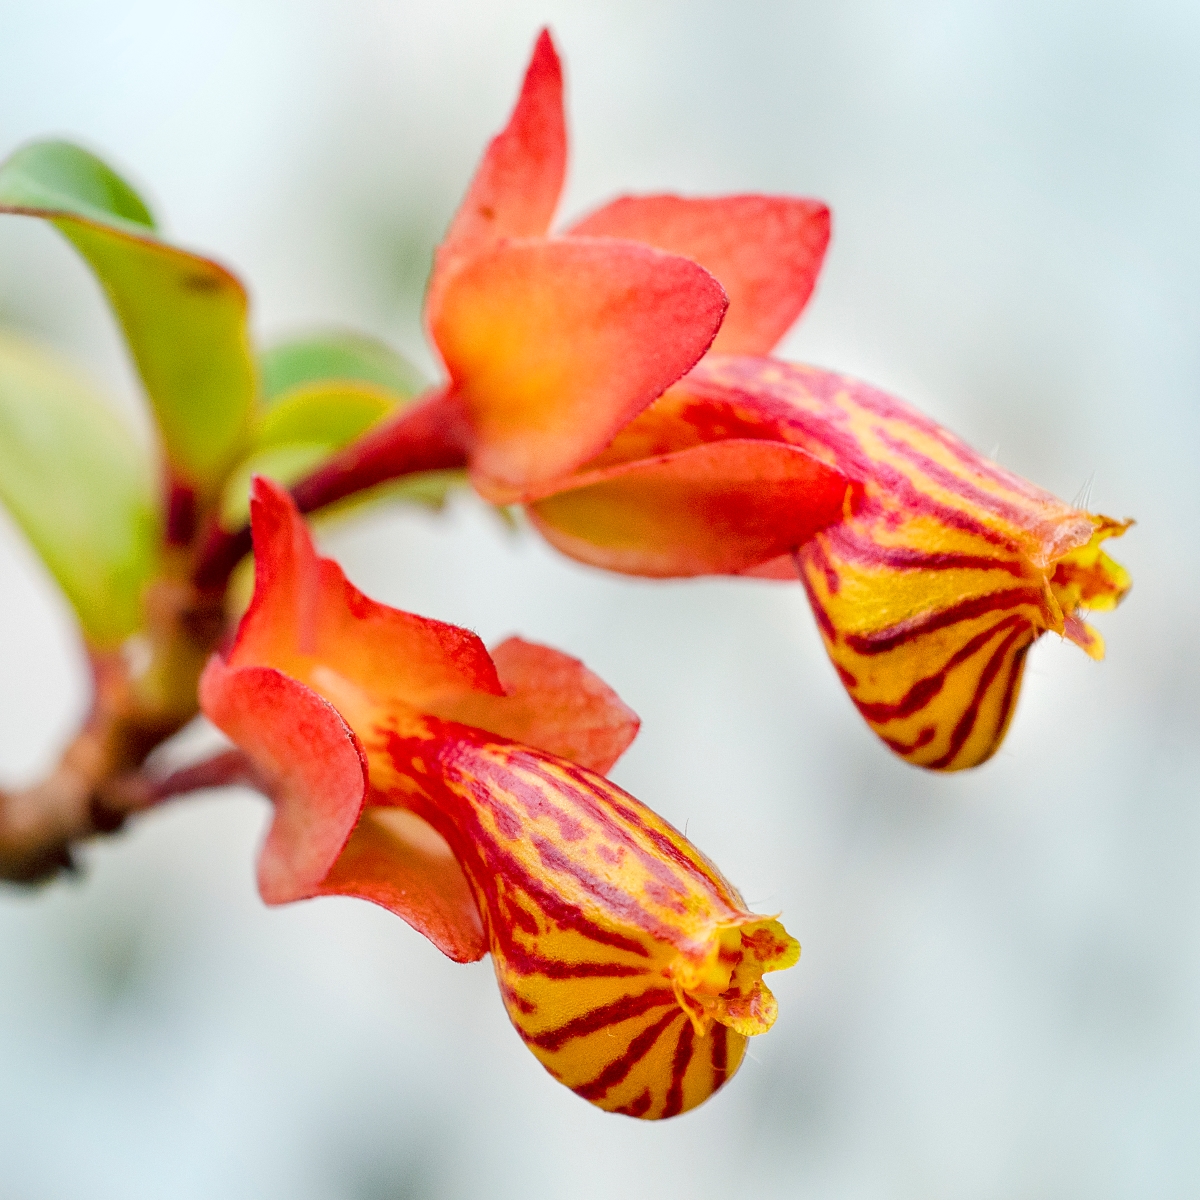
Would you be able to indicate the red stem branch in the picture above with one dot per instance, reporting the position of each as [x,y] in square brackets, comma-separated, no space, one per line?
[429,435]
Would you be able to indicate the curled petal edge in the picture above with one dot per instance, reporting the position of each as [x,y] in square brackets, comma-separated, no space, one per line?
[321,842]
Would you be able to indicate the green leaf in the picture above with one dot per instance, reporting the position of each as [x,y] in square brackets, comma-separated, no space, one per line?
[334,413]
[337,355]
[303,428]
[426,489]
[285,464]
[57,176]
[184,316]
[80,487]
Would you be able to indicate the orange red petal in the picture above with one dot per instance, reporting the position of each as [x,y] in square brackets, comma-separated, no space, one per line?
[553,346]
[306,614]
[516,186]
[312,762]
[400,862]
[708,510]
[551,701]
[766,252]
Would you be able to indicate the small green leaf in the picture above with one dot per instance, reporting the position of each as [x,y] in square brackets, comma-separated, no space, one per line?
[285,464]
[427,489]
[337,355]
[303,428]
[80,487]
[184,316]
[334,413]
[60,177]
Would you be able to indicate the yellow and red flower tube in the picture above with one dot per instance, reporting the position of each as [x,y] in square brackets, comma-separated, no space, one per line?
[941,572]
[463,791]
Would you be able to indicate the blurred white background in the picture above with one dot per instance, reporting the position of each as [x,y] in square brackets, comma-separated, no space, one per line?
[1000,987]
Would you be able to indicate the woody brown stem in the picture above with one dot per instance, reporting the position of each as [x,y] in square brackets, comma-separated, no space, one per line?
[136,706]
[79,798]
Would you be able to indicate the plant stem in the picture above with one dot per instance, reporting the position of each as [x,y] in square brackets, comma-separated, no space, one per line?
[429,435]
[142,694]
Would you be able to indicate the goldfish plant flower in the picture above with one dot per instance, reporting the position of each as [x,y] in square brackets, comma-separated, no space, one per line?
[464,792]
[941,572]
[930,570]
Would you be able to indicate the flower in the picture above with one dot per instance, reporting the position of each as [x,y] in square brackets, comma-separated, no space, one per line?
[930,570]
[463,792]
[941,573]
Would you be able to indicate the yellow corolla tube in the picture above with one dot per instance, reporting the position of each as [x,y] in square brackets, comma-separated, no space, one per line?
[935,575]
[928,623]
[630,967]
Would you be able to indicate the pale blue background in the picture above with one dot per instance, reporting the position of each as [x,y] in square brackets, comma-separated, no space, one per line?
[1001,974]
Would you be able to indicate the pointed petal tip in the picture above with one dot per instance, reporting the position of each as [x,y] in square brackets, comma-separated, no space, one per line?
[545,59]
[270,504]
[516,187]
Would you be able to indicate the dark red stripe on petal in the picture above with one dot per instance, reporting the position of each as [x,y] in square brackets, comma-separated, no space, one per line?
[602,800]
[498,863]
[619,1068]
[906,748]
[824,622]
[818,560]
[720,1055]
[855,546]
[924,690]
[520,961]
[890,408]
[514,999]
[966,723]
[1007,510]
[612,896]
[679,1066]
[880,641]
[1010,689]
[624,1009]
[638,1107]
[519,916]
[591,794]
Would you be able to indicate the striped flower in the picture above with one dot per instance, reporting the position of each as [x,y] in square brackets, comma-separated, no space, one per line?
[463,791]
[941,572]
